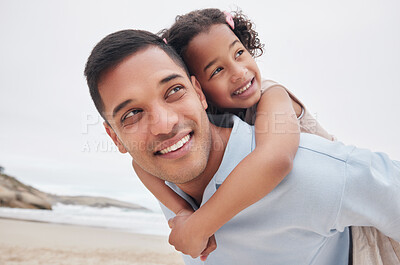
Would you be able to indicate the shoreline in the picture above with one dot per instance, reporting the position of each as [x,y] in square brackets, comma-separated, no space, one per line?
[38,242]
[131,221]
[70,224]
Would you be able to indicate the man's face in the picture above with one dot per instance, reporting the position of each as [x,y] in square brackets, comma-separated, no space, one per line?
[157,115]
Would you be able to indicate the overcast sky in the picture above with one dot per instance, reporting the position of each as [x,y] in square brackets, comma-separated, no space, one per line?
[341,58]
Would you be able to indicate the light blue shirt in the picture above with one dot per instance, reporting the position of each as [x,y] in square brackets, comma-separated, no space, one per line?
[305,219]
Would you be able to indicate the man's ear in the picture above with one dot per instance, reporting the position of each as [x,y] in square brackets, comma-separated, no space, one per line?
[199,91]
[114,137]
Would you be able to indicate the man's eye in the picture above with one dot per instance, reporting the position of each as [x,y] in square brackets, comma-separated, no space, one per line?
[240,52]
[219,69]
[174,90]
[130,114]
[175,93]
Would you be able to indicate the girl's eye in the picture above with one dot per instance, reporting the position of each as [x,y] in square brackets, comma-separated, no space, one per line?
[131,116]
[240,52]
[219,69]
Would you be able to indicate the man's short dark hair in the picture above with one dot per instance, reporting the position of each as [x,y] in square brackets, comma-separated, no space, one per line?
[113,49]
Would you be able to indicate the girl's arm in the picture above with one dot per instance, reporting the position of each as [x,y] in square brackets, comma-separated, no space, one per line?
[277,140]
[162,192]
[173,202]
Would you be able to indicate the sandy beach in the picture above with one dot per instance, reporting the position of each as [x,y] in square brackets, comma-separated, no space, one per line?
[34,243]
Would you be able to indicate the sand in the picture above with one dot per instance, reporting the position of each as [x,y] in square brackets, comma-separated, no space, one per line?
[35,243]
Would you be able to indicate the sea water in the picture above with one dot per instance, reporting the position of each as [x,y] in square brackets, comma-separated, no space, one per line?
[134,221]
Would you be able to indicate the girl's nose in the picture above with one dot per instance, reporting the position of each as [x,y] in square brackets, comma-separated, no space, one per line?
[239,73]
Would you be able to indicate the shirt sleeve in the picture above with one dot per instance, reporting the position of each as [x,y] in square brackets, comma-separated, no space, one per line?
[371,195]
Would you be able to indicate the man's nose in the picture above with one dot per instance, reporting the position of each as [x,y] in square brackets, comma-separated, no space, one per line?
[239,73]
[162,120]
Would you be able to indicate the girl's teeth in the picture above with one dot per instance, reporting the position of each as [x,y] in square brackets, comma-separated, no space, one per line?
[240,91]
[176,146]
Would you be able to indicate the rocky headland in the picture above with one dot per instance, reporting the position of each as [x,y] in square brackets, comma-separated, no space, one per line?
[15,194]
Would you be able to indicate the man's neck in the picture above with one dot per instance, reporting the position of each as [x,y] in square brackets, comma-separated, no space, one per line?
[219,140]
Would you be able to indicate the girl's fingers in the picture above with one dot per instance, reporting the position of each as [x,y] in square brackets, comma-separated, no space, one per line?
[211,246]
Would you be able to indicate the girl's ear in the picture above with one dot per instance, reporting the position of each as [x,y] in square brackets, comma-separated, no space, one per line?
[114,137]
[199,91]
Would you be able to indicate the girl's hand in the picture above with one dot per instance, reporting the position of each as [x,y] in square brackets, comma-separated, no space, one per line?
[185,239]
[211,246]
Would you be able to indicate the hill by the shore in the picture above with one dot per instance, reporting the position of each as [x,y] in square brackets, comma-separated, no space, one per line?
[16,194]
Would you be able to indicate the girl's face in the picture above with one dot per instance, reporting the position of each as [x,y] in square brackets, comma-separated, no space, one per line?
[228,74]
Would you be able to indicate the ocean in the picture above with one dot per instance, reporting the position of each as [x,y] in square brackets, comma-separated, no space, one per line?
[133,221]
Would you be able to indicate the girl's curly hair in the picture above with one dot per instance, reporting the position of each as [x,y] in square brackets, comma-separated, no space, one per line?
[188,26]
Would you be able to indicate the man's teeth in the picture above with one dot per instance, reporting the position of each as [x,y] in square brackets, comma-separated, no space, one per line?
[176,146]
[240,91]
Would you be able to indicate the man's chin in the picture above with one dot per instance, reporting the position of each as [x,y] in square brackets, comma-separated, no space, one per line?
[186,178]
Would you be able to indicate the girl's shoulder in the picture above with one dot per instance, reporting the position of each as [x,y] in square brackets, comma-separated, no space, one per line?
[266,84]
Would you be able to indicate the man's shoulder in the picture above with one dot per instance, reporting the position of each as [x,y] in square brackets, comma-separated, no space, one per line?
[323,147]
[242,132]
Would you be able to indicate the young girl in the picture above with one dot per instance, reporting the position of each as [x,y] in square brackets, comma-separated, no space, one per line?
[219,50]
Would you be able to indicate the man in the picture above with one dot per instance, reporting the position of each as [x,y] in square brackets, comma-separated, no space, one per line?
[149,101]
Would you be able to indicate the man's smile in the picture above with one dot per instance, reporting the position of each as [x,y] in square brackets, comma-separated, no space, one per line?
[175,146]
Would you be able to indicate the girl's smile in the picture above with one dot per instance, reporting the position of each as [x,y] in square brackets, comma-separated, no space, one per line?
[246,90]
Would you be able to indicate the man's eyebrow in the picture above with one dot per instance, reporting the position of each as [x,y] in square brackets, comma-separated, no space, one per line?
[213,61]
[121,106]
[169,78]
